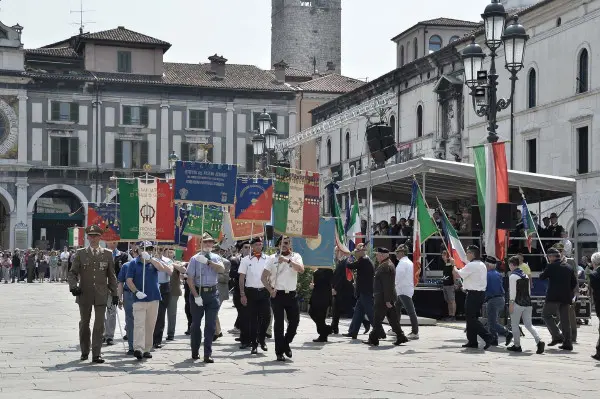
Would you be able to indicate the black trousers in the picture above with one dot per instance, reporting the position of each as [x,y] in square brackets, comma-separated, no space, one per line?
[337,307]
[259,314]
[380,312]
[285,304]
[473,304]
[242,322]
[159,327]
[318,313]
[188,311]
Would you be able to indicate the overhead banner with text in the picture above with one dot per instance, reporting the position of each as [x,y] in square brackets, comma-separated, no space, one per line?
[205,183]
[296,203]
[254,199]
[317,252]
[106,216]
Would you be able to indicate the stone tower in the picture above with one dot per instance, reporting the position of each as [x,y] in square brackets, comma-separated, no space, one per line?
[307,34]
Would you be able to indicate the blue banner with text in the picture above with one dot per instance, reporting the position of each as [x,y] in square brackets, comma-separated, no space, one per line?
[205,183]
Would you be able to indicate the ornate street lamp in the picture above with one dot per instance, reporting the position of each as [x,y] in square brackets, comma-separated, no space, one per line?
[258,143]
[173,158]
[271,138]
[264,122]
[484,85]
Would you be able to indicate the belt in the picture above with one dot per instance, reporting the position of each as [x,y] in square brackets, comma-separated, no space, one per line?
[495,296]
[207,289]
[286,292]
[255,289]
[473,291]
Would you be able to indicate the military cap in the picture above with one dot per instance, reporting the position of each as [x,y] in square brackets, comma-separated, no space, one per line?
[382,250]
[240,244]
[146,244]
[553,215]
[402,248]
[256,240]
[207,237]
[559,246]
[94,230]
[553,251]
[491,259]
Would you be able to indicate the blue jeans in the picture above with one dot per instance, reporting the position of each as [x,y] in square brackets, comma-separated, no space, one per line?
[364,305]
[211,309]
[128,305]
[493,308]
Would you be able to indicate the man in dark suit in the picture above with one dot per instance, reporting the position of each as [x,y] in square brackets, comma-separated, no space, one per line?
[595,285]
[559,297]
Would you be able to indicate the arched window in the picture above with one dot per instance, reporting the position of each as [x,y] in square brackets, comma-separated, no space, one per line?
[347,145]
[401,55]
[328,151]
[532,88]
[416,48]
[420,121]
[583,71]
[435,43]
[393,124]
[454,38]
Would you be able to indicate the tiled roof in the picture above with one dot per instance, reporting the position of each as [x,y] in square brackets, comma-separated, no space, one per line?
[449,22]
[297,73]
[64,52]
[237,77]
[332,83]
[121,34]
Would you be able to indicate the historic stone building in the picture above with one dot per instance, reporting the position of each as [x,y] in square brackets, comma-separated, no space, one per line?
[307,34]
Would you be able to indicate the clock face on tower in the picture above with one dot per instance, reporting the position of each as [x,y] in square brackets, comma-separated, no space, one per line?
[9,127]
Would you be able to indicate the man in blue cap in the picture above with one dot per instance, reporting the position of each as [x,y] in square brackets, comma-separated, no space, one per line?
[142,280]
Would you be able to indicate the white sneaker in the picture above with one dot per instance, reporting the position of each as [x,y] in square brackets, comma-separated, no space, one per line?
[412,336]
[391,332]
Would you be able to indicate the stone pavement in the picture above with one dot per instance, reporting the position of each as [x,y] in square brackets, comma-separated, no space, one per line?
[39,358]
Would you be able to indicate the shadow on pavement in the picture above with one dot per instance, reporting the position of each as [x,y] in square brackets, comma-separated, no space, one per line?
[272,371]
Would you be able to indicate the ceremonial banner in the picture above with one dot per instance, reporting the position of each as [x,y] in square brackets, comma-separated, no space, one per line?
[240,229]
[205,183]
[181,214]
[254,199]
[204,219]
[491,176]
[105,215]
[529,228]
[76,236]
[317,252]
[147,210]
[296,203]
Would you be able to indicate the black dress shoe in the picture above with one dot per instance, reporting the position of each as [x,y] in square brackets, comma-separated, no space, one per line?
[138,355]
[254,351]
[555,342]
[320,339]
[335,330]
[382,336]
[187,332]
[514,349]
[130,352]
[288,353]
[263,346]
[566,347]
[488,344]
[170,338]
[217,336]
[208,359]
[470,346]
[367,328]
[97,359]
[280,358]
[348,335]
[195,356]
[596,356]
[157,346]
[401,340]
[244,346]
[109,341]
[369,342]
[147,355]
[509,338]
[84,357]
[268,336]
[125,337]
[238,339]
[540,347]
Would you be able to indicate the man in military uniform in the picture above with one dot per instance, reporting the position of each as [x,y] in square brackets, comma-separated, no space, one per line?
[93,268]
[384,293]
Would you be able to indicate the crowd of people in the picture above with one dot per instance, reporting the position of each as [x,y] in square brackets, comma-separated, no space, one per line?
[35,265]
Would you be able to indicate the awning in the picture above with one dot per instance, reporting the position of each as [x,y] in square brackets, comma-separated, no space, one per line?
[452,181]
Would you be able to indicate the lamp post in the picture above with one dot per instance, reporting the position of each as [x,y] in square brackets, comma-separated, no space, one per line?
[484,85]
[265,141]
[173,158]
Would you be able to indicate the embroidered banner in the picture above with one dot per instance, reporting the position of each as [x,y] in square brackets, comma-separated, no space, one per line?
[296,203]
[317,252]
[105,215]
[253,199]
[205,183]
[204,219]
[241,229]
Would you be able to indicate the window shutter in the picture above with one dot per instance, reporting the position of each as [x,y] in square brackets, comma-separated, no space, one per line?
[127,115]
[144,154]
[144,116]
[249,158]
[255,116]
[185,151]
[74,117]
[55,151]
[55,111]
[273,120]
[74,151]
[118,154]
[202,119]
[209,155]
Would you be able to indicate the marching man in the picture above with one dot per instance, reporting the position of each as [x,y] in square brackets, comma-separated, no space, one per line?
[280,277]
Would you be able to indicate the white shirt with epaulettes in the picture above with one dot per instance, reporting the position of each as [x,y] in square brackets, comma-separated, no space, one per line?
[252,267]
[283,276]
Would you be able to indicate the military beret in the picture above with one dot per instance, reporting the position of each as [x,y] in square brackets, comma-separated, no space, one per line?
[255,240]
[94,230]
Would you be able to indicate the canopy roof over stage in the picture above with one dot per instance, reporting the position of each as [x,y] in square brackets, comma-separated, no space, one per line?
[451,181]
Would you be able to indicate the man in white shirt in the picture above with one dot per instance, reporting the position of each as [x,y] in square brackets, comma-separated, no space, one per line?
[405,289]
[254,295]
[474,276]
[64,264]
[280,277]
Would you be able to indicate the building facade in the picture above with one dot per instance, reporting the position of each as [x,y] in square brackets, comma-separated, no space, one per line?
[98,105]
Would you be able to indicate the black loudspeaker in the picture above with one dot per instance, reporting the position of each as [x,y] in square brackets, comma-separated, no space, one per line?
[380,139]
[476,224]
[506,216]
[269,232]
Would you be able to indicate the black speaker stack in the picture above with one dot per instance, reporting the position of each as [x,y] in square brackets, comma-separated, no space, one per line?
[380,139]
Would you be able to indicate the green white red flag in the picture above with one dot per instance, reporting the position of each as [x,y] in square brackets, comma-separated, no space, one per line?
[76,237]
[423,227]
[491,175]
[455,247]
[147,210]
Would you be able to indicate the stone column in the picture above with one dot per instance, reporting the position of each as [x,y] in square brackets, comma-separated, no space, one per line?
[96,113]
[165,150]
[229,135]
[11,229]
[22,143]
[21,212]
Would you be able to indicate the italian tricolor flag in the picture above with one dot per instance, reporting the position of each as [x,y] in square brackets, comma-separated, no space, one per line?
[455,247]
[491,174]
[76,237]
[147,210]
[423,227]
